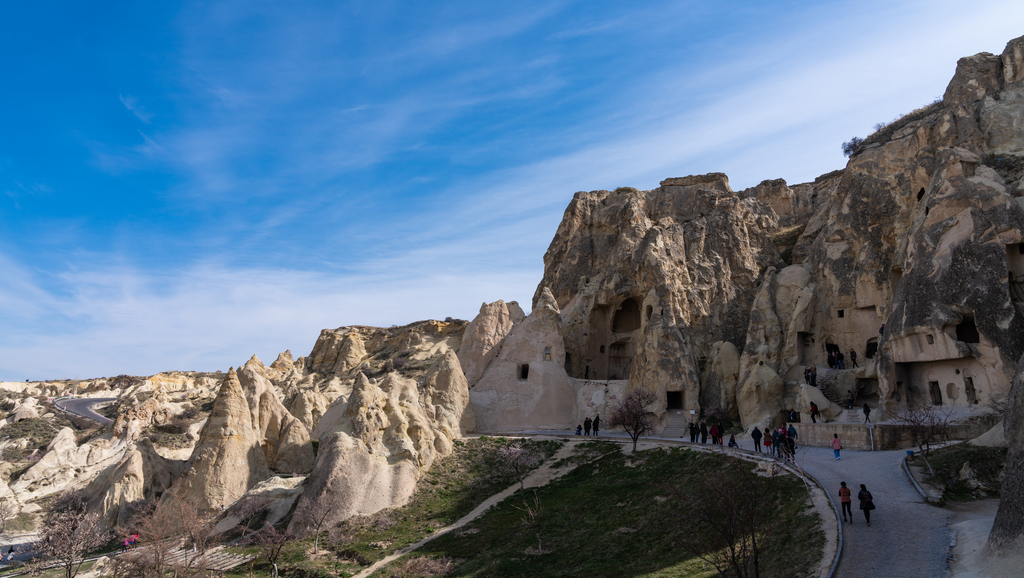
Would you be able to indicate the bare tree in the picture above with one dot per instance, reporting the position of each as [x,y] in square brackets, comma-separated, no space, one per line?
[736,519]
[631,414]
[70,532]
[248,510]
[313,514]
[158,528]
[927,424]
[271,541]
[518,460]
[7,512]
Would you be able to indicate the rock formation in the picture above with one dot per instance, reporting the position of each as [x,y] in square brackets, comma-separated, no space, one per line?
[142,474]
[66,463]
[374,447]
[484,334]
[227,460]
[284,439]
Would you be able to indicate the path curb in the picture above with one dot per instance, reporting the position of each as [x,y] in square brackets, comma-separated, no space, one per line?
[913,481]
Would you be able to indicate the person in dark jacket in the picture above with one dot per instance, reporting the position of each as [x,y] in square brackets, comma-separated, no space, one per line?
[776,438]
[814,412]
[756,436]
[703,433]
[597,423]
[867,414]
[693,432]
[791,431]
[839,360]
[587,423]
[853,358]
[814,376]
[714,435]
[867,502]
[579,429]
[732,442]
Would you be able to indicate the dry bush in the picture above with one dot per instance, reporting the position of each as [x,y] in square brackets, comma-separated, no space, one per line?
[422,567]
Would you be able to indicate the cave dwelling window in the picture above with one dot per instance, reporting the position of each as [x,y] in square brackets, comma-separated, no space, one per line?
[524,371]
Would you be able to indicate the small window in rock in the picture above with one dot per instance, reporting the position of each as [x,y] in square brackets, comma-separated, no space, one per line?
[931,339]
[547,353]
[926,209]
[920,194]
[586,372]
[841,313]
[602,349]
[967,331]
[524,371]
[1020,248]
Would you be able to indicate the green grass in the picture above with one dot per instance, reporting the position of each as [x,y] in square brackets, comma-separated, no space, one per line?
[452,488]
[987,464]
[616,516]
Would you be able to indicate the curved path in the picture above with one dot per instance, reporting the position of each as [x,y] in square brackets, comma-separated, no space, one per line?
[83,408]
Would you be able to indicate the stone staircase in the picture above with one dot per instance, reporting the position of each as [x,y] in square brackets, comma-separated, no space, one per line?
[675,425]
[215,559]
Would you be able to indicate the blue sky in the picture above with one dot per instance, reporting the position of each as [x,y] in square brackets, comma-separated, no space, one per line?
[184,185]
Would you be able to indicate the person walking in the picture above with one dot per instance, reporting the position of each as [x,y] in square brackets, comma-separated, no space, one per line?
[703,432]
[776,439]
[693,433]
[839,360]
[831,360]
[597,423]
[587,424]
[836,445]
[792,433]
[867,414]
[845,500]
[814,412]
[853,358]
[867,502]
[814,376]
[721,434]
[807,375]
[849,399]
[756,436]
[768,442]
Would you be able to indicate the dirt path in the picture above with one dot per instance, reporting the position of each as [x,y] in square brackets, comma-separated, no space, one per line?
[536,478]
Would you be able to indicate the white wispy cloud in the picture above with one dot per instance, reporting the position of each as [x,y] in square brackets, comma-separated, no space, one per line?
[132,104]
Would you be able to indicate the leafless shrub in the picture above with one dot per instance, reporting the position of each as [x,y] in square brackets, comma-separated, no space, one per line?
[70,532]
[517,459]
[423,567]
[312,514]
[531,518]
[248,511]
[270,542]
[735,518]
[631,414]
[927,424]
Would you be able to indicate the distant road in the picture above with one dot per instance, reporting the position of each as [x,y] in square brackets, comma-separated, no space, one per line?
[83,408]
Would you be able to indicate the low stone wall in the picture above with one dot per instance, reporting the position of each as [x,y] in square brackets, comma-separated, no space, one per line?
[886,436]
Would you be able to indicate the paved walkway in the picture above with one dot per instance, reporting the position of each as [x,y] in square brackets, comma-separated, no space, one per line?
[907,538]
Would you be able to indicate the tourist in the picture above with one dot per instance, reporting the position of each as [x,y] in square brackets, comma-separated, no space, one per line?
[714,435]
[791,448]
[853,358]
[693,433]
[756,436]
[597,423]
[839,360]
[845,500]
[807,375]
[814,412]
[792,432]
[579,429]
[849,399]
[721,434]
[867,414]
[732,441]
[703,432]
[768,442]
[814,376]
[587,423]
[881,329]
[831,360]
[866,503]
[836,445]
[776,439]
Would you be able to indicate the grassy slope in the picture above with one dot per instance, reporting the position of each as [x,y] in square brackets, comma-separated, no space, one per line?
[987,463]
[612,517]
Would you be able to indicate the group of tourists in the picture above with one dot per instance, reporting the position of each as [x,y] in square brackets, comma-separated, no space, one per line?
[779,442]
[589,425]
[716,431]
[867,502]
[129,542]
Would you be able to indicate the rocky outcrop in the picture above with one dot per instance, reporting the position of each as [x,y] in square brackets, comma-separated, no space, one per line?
[147,414]
[140,475]
[526,386]
[336,352]
[228,459]
[66,463]
[377,444]
[28,409]
[308,406]
[484,334]
[284,361]
[284,439]
[718,382]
